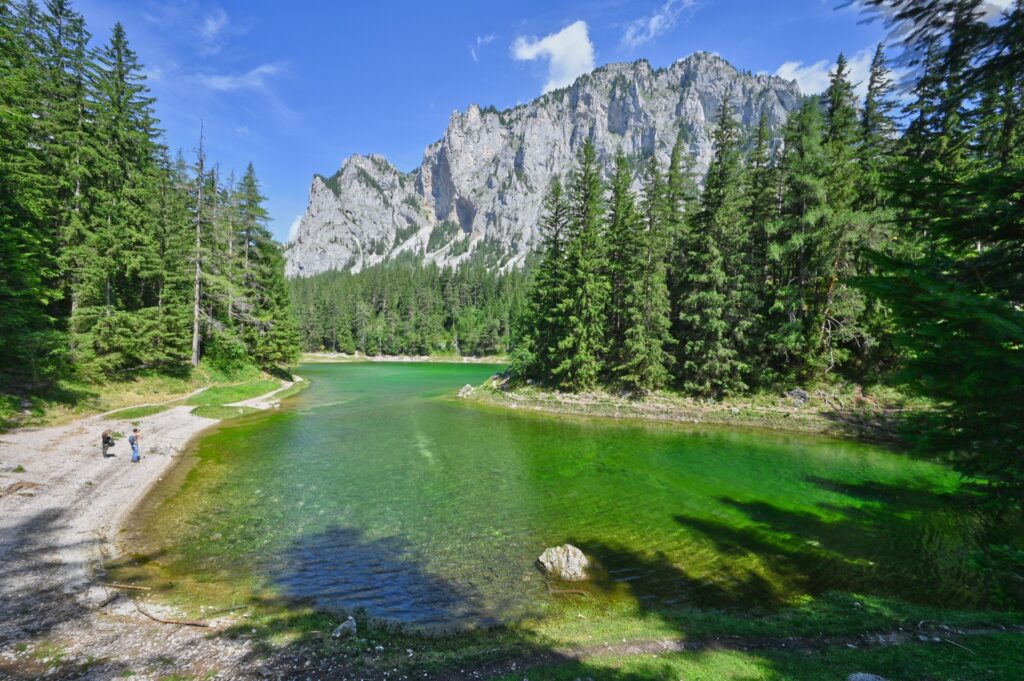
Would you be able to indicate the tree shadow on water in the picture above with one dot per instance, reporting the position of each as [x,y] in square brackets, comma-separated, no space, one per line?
[342,571]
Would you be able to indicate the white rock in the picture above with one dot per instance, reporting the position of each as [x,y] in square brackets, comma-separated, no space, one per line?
[487,176]
[863,676]
[466,390]
[566,562]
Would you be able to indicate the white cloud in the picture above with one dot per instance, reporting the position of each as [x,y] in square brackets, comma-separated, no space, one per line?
[569,53]
[294,227]
[253,79]
[481,40]
[212,25]
[813,78]
[650,27]
[242,130]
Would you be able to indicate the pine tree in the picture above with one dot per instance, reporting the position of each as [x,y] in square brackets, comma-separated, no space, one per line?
[878,132]
[586,290]
[538,342]
[623,253]
[715,316]
[644,361]
[958,304]
[26,243]
[791,333]
[268,327]
[680,201]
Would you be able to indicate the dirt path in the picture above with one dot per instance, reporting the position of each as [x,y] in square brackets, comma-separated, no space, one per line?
[59,518]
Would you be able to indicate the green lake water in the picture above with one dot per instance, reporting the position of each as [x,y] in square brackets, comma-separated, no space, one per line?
[374,489]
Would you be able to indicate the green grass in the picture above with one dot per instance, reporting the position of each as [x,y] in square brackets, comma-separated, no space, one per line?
[132,413]
[232,393]
[988,658]
[222,413]
[73,398]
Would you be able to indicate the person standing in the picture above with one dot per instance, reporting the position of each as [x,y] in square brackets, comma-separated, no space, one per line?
[107,442]
[133,440]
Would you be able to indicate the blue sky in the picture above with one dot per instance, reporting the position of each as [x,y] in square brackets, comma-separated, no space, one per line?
[297,87]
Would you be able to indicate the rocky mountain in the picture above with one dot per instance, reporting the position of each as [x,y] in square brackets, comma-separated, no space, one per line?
[480,188]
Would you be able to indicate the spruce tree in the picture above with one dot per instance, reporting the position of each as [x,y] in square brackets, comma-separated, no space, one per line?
[791,333]
[644,361]
[582,307]
[958,304]
[715,315]
[539,341]
[623,253]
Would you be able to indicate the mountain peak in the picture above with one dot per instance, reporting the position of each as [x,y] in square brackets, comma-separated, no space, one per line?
[479,190]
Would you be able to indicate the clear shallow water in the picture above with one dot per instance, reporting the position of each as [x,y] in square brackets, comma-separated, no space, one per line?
[373,489]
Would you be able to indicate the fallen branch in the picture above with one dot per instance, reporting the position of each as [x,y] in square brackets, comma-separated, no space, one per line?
[958,645]
[126,586]
[187,623]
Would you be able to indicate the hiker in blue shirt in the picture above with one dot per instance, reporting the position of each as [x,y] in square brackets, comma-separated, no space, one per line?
[133,440]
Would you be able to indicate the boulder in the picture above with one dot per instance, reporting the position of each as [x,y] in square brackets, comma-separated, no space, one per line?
[346,628]
[863,676]
[466,391]
[566,563]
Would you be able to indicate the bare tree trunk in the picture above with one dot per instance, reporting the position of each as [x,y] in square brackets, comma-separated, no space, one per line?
[200,172]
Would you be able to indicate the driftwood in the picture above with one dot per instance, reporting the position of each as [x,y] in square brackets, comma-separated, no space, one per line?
[187,623]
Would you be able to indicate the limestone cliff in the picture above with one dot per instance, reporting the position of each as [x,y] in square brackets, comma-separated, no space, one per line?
[480,188]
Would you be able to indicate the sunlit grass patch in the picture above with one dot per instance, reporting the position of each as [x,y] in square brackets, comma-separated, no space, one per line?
[232,393]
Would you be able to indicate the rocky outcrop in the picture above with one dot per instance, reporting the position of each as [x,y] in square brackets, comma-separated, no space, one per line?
[480,188]
[565,562]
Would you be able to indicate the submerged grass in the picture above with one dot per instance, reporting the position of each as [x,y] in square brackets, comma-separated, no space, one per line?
[205,589]
[221,412]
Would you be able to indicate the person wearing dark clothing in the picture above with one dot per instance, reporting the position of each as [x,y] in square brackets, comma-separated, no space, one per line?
[107,441]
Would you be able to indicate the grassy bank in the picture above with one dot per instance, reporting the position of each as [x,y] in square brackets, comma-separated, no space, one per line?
[135,398]
[841,411]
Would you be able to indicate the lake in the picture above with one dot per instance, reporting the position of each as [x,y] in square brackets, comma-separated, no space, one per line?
[376,490]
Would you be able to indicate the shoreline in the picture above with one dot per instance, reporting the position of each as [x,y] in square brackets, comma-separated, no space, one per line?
[62,508]
[816,417]
[344,358]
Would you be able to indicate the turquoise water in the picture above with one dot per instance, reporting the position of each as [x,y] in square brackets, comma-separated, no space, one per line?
[374,489]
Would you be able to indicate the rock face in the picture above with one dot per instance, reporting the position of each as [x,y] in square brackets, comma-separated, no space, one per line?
[566,563]
[480,188]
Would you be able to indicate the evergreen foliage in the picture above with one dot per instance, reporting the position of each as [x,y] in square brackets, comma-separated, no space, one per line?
[109,249]
[958,191]
[408,308]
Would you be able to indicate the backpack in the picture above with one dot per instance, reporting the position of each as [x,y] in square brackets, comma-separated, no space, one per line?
[131,440]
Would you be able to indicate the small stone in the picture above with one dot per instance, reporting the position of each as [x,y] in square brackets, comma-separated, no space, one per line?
[863,676]
[346,628]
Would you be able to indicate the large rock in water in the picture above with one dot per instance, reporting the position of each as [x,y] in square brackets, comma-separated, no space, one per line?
[480,188]
[566,563]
